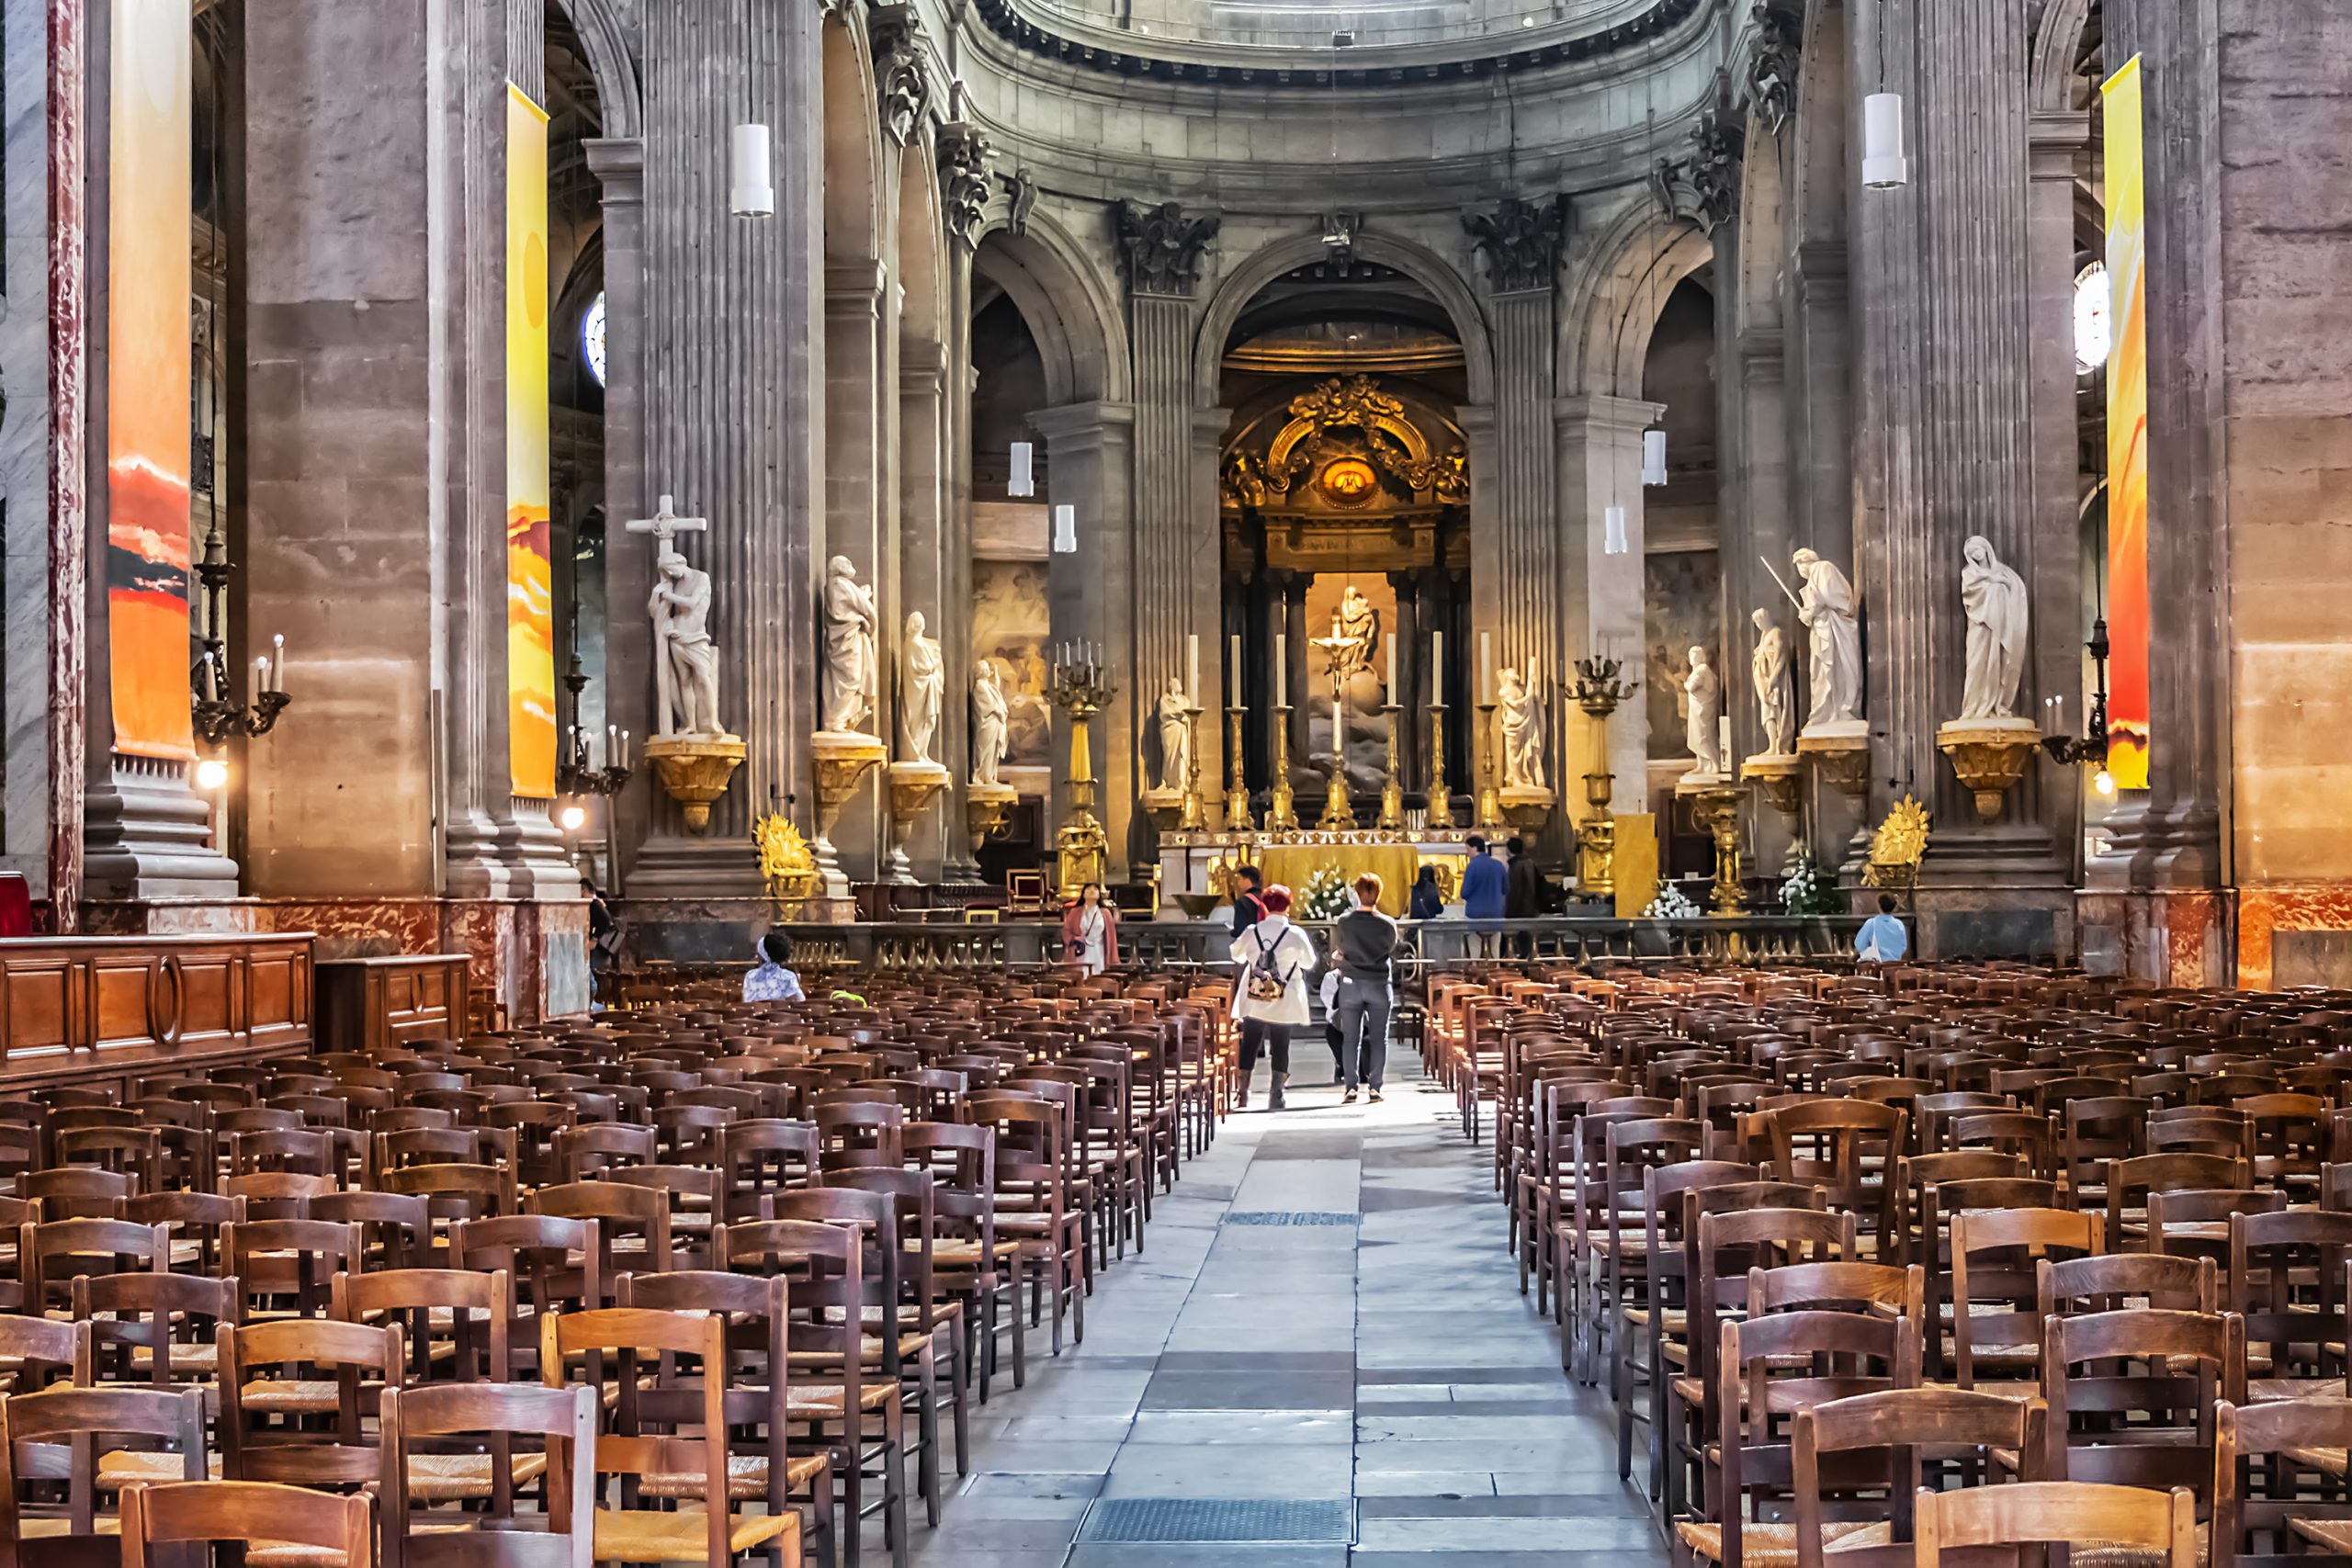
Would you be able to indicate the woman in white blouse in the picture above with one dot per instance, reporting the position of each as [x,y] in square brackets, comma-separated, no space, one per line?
[1091,930]
[1269,998]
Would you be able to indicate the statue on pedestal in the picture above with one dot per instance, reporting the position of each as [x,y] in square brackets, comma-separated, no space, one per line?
[1519,718]
[1702,693]
[1175,715]
[992,715]
[1993,596]
[1357,626]
[685,659]
[1769,668]
[922,681]
[851,668]
[1830,610]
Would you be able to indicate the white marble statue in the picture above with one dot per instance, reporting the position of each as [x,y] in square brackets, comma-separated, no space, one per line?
[853,670]
[1831,613]
[1519,718]
[991,716]
[1175,735]
[1770,670]
[1702,693]
[922,682]
[685,659]
[1993,596]
[1359,623]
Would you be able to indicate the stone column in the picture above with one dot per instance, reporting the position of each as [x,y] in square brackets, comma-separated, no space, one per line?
[965,165]
[1298,677]
[1090,458]
[1599,444]
[923,542]
[1412,660]
[860,347]
[1204,584]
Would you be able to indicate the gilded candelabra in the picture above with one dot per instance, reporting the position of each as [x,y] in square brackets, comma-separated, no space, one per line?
[1080,687]
[1195,816]
[1441,804]
[1237,791]
[1490,803]
[1599,692]
[1282,804]
[1391,788]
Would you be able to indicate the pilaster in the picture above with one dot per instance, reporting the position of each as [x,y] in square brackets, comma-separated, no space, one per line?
[1090,464]
[1599,440]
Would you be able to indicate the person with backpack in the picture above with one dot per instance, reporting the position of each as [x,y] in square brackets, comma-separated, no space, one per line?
[1269,999]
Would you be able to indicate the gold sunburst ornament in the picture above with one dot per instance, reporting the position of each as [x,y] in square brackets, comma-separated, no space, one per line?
[1898,846]
[786,863]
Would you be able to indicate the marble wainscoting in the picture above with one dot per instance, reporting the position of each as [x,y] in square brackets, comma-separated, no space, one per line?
[2295,936]
[2171,938]
[693,930]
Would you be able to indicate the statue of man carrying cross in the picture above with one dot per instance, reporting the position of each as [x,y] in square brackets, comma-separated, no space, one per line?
[685,663]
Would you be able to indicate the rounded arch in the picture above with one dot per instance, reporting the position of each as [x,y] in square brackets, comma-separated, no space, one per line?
[1641,259]
[2057,49]
[604,40]
[1760,250]
[853,147]
[1818,165]
[922,246]
[1424,267]
[1072,314]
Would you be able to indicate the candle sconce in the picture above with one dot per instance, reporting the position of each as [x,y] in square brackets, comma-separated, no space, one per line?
[214,713]
[573,773]
[2091,746]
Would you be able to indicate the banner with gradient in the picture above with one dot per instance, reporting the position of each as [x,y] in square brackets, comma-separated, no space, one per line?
[2128,732]
[530,608]
[147,379]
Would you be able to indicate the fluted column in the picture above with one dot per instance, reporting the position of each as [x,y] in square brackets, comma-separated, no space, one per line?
[1599,443]
[725,416]
[1090,465]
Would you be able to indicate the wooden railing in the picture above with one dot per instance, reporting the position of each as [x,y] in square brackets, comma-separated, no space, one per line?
[80,1008]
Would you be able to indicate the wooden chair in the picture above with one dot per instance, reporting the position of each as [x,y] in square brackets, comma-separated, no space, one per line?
[2287,1282]
[155,1327]
[2054,1513]
[76,1436]
[2265,1458]
[2153,1427]
[35,1352]
[1877,1446]
[274,1523]
[1996,1319]
[424,1424]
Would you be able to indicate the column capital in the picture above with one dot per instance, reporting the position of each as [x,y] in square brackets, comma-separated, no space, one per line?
[855,282]
[1521,241]
[619,163]
[1624,415]
[1162,248]
[1083,424]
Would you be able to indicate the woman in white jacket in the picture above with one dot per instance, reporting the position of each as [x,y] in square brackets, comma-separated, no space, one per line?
[1269,998]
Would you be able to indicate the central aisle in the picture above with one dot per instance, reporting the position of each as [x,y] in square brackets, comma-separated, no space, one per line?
[1322,1359]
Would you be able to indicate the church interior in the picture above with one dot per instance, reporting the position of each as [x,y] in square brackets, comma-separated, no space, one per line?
[718,618]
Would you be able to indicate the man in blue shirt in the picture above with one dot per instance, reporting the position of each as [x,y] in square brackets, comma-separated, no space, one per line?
[1485,883]
[1883,938]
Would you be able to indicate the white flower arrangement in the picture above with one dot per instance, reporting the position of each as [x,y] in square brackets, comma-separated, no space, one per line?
[1327,896]
[1809,890]
[1670,904]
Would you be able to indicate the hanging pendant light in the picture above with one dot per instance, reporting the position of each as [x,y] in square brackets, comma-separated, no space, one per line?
[1883,165]
[1613,538]
[751,185]
[1065,530]
[1653,457]
[1024,479]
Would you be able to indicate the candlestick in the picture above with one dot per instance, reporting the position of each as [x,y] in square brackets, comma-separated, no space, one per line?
[278,662]
[1192,669]
[1236,793]
[612,743]
[1281,669]
[1282,805]
[1233,664]
[1392,787]
[1441,794]
[1485,669]
[1436,667]
[1392,663]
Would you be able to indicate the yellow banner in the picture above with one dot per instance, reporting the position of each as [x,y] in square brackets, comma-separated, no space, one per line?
[146,569]
[530,608]
[2128,733]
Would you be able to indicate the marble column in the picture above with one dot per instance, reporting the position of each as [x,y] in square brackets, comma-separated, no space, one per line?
[1090,465]
[1518,574]
[1412,660]
[861,348]
[1204,587]
[1599,439]
[41,359]
[1175,514]
[955,601]
[729,426]
[1298,676]
[922,552]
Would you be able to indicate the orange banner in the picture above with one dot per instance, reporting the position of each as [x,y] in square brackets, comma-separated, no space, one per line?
[147,380]
[2129,735]
[530,606]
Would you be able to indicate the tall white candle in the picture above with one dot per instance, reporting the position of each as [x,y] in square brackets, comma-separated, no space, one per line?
[1234,663]
[1392,667]
[1485,668]
[1192,667]
[1281,669]
[1437,670]
[278,662]
[1723,742]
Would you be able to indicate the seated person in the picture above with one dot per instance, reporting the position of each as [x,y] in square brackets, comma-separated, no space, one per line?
[771,981]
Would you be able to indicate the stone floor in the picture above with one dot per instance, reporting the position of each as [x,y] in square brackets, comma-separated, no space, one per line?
[1323,1359]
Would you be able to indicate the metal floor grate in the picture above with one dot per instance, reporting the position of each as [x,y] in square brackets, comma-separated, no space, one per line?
[1290,1217]
[1138,1519]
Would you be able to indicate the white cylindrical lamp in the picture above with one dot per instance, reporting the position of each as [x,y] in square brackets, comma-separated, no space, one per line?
[751,185]
[1883,165]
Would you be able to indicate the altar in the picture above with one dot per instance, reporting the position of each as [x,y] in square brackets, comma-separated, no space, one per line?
[1195,869]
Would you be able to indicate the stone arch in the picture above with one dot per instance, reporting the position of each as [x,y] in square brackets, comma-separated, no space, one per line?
[1817,160]
[852,146]
[1759,253]
[1424,267]
[2057,44]
[604,39]
[922,246]
[1641,259]
[1068,304]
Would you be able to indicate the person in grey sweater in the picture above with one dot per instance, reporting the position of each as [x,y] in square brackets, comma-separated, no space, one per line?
[1363,953]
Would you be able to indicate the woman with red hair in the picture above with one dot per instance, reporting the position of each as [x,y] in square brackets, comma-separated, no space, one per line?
[1276,957]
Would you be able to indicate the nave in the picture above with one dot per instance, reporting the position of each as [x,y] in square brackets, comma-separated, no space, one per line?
[1321,1361]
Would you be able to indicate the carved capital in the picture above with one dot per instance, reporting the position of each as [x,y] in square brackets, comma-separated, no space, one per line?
[1703,187]
[902,73]
[1162,247]
[1521,241]
[1772,57]
[966,160]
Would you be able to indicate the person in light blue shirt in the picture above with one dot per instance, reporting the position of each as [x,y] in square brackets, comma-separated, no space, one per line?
[1484,883]
[1884,938]
[771,981]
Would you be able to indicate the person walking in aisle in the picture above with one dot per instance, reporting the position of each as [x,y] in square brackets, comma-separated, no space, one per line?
[1090,932]
[1271,1001]
[1363,953]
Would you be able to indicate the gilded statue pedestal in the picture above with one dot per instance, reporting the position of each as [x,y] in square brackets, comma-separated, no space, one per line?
[843,759]
[1715,805]
[988,809]
[1165,807]
[696,769]
[1524,809]
[1988,756]
[913,786]
[1843,756]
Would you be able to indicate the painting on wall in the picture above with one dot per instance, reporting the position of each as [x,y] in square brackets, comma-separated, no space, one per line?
[147,382]
[1010,620]
[1683,590]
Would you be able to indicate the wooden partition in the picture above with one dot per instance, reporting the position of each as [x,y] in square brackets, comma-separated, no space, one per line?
[367,1004]
[84,1008]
